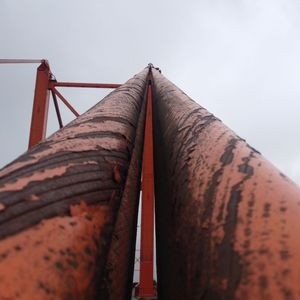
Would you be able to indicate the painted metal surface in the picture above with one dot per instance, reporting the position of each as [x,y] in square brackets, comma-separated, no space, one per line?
[40,105]
[21,61]
[227,220]
[118,279]
[146,285]
[44,83]
[60,200]
[84,85]
[65,102]
[57,111]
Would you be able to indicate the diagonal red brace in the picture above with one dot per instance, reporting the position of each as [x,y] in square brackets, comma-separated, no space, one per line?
[63,99]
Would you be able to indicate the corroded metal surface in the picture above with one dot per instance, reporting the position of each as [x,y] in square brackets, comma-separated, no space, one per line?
[60,200]
[227,220]
[119,266]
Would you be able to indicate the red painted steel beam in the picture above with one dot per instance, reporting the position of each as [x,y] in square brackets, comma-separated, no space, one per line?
[60,123]
[146,285]
[40,105]
[21,61]
[227,219]
[65,101]
[84,85]
[60,201]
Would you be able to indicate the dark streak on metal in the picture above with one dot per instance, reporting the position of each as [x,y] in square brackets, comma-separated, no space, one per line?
[102,119]
[229,260]
[59,159]
[227,156]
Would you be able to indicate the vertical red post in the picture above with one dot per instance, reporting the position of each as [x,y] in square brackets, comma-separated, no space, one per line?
[40,105]
[146,286]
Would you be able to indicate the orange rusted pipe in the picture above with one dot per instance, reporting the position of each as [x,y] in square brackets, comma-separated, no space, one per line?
[227,219]
[40,105]
[146,286]
[122,248]
[59,202]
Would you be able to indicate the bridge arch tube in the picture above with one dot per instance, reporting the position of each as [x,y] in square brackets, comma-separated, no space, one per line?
[227,220]
[60,200]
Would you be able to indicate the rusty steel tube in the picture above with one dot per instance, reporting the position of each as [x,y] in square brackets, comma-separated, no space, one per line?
[227,219]
[119,266]
[60,200]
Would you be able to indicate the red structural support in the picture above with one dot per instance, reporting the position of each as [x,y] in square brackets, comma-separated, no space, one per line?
[64,100]
[84,85]
[60,122]
[40,105]
[146,286]
[45,84]
[21,61]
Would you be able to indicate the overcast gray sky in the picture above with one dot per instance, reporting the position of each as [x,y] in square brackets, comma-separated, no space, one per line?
[240,59]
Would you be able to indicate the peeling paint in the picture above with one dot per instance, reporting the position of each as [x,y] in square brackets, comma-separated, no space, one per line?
[20,183]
